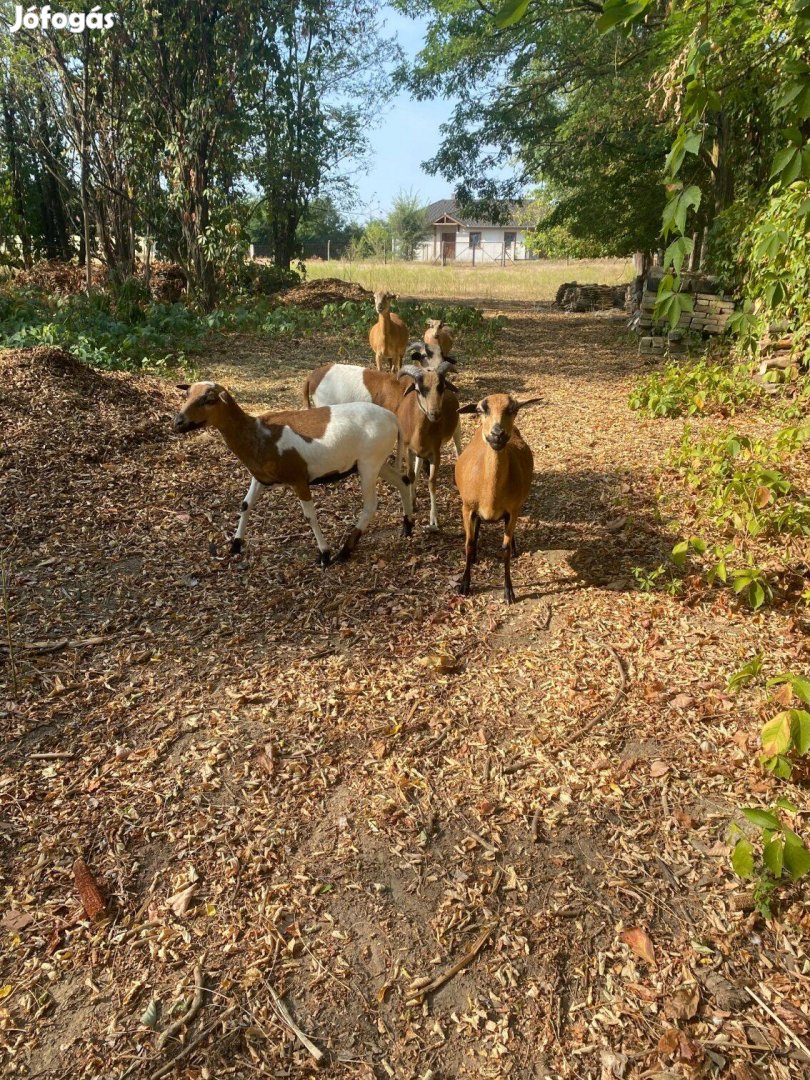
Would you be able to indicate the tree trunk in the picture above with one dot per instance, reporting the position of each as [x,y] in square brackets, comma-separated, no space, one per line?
[52,192]
[85,177]
[18,195]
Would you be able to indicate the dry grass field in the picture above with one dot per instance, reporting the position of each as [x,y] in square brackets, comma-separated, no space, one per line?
[522,281]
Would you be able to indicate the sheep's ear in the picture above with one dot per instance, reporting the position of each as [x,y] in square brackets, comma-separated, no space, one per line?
[410,389]
[449,386]
[468,409]
[184,386]
[531,401]
[225,397]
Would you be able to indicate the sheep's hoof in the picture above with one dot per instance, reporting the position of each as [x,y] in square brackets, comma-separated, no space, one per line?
[343,555]
[433,527]
[407,526]
[236,546]
[324,558]
[463,587]
[508,594]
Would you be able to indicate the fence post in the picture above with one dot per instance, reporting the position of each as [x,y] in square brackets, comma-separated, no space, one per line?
[503,254]
[328,250]
[473,254]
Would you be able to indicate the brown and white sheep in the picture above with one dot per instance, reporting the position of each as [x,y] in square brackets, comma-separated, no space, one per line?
[301,448]
[426,408]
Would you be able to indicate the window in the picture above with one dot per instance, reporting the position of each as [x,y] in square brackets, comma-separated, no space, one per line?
[475,239]
[510,239]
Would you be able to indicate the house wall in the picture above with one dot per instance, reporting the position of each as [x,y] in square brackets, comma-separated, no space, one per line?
[490,250]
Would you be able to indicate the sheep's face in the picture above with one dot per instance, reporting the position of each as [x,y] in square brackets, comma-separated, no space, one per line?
[203,404]
[382,301]
[430,387]
[434,324]
[497,413]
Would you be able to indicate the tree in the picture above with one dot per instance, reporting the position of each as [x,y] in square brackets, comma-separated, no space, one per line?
[552,99]
[312,116]
[407,223]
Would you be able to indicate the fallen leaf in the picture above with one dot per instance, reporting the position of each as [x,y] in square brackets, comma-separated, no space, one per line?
[640,943]
[613,1065]
[729,998]
[682,701]
[686,821]
[180,902]
[659,768]
[151,1014]
[93,902]
[784,695]
[684,1003]
[17,920]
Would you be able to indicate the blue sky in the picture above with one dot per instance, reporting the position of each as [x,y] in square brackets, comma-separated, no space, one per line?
[404,139]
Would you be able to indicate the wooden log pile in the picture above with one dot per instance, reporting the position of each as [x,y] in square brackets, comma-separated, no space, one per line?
[572,296]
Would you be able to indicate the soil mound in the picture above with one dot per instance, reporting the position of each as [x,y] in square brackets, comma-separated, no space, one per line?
[54,410]
[168,282]
[56,278]
[314,294]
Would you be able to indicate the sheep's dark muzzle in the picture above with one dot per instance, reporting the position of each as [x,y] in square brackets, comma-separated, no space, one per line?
[183,424]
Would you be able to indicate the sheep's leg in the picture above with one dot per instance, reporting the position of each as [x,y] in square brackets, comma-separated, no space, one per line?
[471,526]
[378,358]
[308,506]
[510,522]
[414,468]
[432,477]
[404,485]
[457,438]
[253,492]
[368,487]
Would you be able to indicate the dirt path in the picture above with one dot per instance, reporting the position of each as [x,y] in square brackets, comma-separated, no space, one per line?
[367,775]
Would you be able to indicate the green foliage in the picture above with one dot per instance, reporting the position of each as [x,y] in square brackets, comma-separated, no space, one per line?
[776,253]
[659,579]
[741,484]
[782,851]
[779,852]
[156,337]
[408,223]
[264,279]
[695,389]
[748,673]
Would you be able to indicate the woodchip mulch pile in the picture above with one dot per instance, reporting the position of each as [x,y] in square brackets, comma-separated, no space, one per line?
[312,295]
[435,837]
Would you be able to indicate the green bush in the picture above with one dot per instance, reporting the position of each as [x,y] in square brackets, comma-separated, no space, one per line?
[695,388]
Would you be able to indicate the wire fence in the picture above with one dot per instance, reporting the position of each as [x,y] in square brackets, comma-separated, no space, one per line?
[392,249]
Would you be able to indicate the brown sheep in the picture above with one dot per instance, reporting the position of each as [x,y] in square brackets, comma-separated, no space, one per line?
[438,337]
[494,477]
[389,335]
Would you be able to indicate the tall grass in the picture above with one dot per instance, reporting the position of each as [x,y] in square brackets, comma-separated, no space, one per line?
[535,280]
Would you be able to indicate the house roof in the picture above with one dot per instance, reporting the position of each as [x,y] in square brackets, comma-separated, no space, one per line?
[448,208]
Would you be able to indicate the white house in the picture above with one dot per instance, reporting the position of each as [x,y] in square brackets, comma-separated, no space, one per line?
[454,238]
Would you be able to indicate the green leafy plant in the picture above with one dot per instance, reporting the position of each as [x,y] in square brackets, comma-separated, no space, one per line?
[748,673]
[694,389]
[781,851]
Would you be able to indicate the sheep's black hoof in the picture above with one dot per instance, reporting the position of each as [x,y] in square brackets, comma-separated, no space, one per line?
[463,587]
[407,526]
[324,558]
[236,546]
[343,555]
[508,594]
